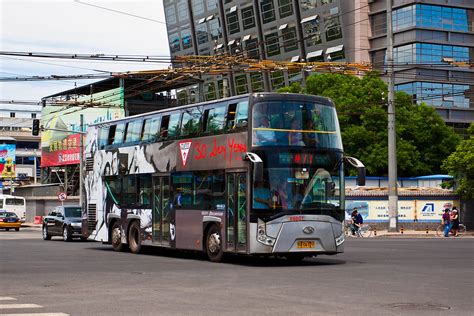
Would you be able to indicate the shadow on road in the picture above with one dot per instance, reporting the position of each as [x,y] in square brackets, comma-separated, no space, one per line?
[252,261]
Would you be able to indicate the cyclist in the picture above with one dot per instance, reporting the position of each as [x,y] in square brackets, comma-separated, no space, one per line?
[356,221]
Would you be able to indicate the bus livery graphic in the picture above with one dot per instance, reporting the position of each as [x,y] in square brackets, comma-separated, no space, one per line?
[254,174]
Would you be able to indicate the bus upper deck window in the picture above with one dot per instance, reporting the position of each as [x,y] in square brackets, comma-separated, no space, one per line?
[119,133]
[215,119]
[111,137]
[134,129]
[151,129]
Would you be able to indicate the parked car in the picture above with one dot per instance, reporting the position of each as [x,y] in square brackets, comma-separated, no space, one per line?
[63,221]
[9,220]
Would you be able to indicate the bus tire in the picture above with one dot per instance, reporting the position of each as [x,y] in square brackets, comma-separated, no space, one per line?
[214,244]
[46,235]
[116,237]
[17,229]
[135,237]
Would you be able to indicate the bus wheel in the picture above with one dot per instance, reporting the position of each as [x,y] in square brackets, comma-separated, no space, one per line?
[116,237]
[134,237]
[214,244]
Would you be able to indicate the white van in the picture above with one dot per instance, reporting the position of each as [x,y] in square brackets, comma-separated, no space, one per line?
[15,204]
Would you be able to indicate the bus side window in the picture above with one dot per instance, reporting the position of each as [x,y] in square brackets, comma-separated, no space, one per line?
[215,119]
[111,137]
[119,133]
[1,203]
[133,131]
[241,115]
[230,117]
[164,127]
[103,135]
[174,125]
[191,121]
[151,129]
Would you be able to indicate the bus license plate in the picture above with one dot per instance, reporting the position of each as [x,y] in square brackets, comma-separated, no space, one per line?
[305,244]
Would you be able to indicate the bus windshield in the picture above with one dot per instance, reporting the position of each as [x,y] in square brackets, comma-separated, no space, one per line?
[293,123]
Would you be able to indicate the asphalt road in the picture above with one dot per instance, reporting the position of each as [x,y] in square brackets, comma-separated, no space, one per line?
[393,276]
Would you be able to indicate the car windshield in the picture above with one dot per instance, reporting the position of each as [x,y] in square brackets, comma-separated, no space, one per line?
[8,215]
[73,212]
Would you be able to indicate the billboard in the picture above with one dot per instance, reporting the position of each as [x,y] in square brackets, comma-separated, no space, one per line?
[7,161]
[425,210]
[59,144]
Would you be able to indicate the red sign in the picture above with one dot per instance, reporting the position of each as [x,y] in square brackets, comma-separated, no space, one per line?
[62,196]
[62,152]
[184,147]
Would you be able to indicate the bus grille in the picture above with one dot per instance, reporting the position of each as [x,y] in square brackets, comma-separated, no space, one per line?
[91,217]
[89,163]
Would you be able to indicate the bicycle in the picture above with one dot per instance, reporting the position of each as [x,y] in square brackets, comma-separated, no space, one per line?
[440,230]
[363,231]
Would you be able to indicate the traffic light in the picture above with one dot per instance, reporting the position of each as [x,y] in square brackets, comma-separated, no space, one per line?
[35,130]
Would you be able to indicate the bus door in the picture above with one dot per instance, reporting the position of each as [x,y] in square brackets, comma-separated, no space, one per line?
[161,210]
[236,215]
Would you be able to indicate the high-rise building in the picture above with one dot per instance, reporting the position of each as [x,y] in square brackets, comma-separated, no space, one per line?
[428,36]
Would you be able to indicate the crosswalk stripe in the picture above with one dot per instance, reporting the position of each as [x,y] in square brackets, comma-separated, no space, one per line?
[39,314]
[6,298]
[12,306]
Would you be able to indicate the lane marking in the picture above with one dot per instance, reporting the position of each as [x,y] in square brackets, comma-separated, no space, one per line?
[6,298]
[40,314]
[11,306]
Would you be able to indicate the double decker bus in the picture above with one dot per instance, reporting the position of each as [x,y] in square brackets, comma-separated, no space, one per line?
[257,174]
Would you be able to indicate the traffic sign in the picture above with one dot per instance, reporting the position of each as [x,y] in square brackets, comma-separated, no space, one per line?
[62,196]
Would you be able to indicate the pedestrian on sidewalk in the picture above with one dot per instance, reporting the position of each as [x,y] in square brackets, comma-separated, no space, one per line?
[454,221]
[446,222]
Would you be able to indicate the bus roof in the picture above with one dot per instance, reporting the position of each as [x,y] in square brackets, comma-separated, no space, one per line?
[254,96]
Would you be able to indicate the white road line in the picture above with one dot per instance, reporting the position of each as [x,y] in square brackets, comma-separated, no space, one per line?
[6,298]
[12,306]
[39,314]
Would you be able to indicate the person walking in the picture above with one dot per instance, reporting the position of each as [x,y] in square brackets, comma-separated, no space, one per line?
[446,222]
[454,221]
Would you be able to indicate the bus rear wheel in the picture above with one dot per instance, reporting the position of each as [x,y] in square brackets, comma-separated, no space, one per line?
[214,244]
[135,237]
[116,237]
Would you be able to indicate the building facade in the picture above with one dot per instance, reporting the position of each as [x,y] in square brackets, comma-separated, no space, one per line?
[428,36]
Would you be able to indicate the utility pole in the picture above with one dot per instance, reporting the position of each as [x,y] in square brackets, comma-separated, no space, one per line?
[392,136]
[81,159]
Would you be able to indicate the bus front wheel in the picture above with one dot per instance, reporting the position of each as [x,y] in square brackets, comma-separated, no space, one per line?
[214,244]
[135,237]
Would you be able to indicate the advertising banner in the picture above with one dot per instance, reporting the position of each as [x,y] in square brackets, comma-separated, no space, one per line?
[7,161]
[408,210]
[59,144]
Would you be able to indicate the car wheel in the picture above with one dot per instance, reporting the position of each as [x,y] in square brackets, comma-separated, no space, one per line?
[7,229]
[135,237]
[66,234]
[83,238]
[17,229]
[116,237]
[46,235]
[214,244]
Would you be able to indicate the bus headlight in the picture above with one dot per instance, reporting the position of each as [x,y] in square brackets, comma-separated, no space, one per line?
[340,240]
[262,234]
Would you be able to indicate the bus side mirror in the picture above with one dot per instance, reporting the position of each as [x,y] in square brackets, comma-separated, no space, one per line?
[257,165]
[360,169]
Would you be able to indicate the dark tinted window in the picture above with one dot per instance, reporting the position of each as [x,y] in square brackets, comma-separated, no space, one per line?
[13,201]
[73,212]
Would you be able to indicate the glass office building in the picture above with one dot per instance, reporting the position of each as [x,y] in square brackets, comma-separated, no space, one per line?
[433,49]
[428,37]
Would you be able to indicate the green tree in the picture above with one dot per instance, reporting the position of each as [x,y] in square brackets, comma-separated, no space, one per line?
[460,164]
[423,139]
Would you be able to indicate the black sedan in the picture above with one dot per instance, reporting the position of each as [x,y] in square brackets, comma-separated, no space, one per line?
[63,221]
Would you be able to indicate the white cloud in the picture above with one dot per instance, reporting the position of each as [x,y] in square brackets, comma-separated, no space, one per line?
[66,26]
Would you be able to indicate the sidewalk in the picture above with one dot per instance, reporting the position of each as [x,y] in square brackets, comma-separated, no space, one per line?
[414,234]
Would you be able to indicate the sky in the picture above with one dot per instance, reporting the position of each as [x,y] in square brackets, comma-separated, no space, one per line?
[75,27]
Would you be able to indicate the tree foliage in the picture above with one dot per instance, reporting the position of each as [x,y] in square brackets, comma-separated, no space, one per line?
[423,139]
[460,164]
